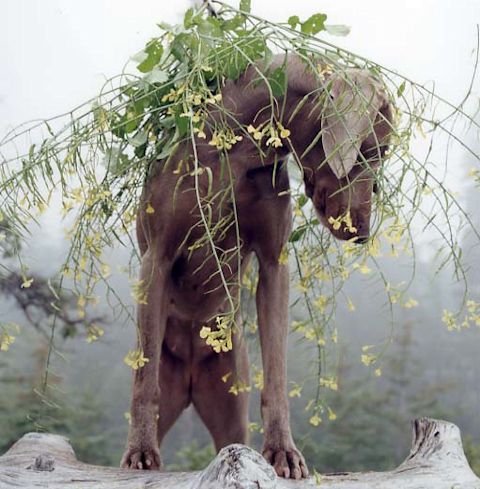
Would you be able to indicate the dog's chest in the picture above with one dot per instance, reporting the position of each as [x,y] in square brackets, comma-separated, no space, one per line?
[208,263]
[219,237]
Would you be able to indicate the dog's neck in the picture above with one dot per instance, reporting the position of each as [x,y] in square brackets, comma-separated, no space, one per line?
[298,110]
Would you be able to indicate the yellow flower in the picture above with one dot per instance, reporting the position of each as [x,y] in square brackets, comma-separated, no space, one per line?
[363,268]
[325,69]
[226,377]
[472,306]
[93,333]
[317,477]
[82,301]
[27,283]
[105,270]
[347,219]
[335,335]
[224,139]
[284,133]
[135,359]
[321,274]
[83,263]
[373,248]
[220,339]
[329,383]
[258,380]
[378,372]
[205,332]
[214,99]
[6,340]
[274,139]
[321,303]
[296,391]
[315,420]
[139,292]
[449,319]
[344,272]
[335,222]
[368,359]
[331,415]
[410,303]
[350,305]
[149,209]
[255,427]
[239,387]
[283,258]
[310,334]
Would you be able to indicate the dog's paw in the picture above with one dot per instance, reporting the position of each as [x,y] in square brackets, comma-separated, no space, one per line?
[288,462]
[141,459]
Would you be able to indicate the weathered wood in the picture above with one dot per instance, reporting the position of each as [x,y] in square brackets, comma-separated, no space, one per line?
[436,461]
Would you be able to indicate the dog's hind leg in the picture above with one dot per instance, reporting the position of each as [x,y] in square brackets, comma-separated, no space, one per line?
[174,382]
[225,414]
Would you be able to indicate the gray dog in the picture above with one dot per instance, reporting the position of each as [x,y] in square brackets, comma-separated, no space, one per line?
[183,289]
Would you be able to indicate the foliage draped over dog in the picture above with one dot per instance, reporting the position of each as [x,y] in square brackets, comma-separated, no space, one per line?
[95,160]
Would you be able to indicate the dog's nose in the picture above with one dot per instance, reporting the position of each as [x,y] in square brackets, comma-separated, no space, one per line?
[361,240]
[363,231]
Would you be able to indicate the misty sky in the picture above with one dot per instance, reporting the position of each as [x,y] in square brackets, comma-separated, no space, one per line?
[55,54]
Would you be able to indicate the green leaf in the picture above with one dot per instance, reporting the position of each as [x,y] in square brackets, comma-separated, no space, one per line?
[115,160]
[297,234]
[236,57]
[234,23]
[268,57]
[157,76]
[164,26]
[182,124]
[293,21]
[338,30]
[314,24]
[210,27]
[182,44]
[278,82]
[138,139]
[154,50]
[401,89]
[302,200]
[245,6]
[130,122]
[188,17]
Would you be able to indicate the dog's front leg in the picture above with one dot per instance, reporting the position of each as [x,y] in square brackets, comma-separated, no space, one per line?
[142,450]
[272,309]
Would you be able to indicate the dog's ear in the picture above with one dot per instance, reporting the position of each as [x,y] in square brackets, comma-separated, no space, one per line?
[352,103]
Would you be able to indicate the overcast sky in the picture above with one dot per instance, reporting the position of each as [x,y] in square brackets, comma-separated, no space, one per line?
[55,54]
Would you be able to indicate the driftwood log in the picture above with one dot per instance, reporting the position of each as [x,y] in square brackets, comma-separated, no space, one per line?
[436,461]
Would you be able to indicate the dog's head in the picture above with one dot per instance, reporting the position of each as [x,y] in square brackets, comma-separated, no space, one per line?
[355,128]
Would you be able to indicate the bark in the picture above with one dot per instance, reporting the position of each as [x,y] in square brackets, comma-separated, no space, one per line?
[436,461]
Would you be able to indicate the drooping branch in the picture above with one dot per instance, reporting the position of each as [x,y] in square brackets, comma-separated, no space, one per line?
[436,461]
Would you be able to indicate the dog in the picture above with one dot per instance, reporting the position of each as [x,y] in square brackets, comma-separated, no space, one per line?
[335,126]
